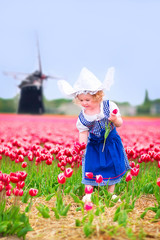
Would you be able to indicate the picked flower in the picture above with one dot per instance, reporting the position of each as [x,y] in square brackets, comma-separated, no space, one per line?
[107,129]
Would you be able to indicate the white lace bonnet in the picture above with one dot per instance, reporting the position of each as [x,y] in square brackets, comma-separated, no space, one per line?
[87,82]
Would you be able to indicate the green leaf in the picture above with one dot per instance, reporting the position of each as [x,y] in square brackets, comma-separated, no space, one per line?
[25,197]
[49,196]
[88,230]
[66,209]
[68,189]
[44,210]
[157,214]
[56,213]
[143,214]
[3,226]
[122,219]
[77,223]
[75,198]
[78,209]
[24,231]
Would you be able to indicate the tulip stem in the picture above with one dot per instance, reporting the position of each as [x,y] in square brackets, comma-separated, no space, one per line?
[98,193]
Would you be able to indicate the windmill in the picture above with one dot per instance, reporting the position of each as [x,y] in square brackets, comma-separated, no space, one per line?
[31,89]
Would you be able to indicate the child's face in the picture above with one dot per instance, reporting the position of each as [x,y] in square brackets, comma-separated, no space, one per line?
[87,101]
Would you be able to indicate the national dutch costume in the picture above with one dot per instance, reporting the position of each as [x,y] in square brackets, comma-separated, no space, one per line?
[112,163]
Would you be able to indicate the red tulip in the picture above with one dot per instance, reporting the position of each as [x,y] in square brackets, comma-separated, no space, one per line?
[33,192]
[8,187]
[99,178]
[68,172]
[22,175]
[158,182]
[49,161]
[24,165]
[20,158]
[20,184]
[88,189]
[128,177]
[20,192]
[8,192]
[1,187]
[134,171]
[14,179]
[88,206]
[115,111]
[89,174]
[61,178]
[132,164]
[16,191]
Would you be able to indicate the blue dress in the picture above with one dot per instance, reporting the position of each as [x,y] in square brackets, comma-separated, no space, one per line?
[112,163]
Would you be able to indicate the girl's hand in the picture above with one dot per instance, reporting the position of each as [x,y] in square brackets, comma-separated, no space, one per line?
[117,120]
[113,117]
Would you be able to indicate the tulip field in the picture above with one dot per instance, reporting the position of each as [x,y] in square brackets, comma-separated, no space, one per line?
[40,182]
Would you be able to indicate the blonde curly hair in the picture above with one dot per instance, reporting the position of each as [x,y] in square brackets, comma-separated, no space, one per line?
[97,97]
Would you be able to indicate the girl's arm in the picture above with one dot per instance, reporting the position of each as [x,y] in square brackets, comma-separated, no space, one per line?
[83,137]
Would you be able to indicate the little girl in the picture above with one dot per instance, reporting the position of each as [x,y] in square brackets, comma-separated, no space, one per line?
[112,163]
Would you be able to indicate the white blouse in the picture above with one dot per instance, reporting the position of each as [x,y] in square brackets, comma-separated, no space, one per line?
[95,117]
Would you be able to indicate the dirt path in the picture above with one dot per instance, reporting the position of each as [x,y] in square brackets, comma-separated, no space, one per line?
[65,229]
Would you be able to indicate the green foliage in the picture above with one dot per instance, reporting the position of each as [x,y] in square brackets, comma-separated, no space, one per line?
[44,210]
[8,105]
[12,222]
[60,209]
[155,209]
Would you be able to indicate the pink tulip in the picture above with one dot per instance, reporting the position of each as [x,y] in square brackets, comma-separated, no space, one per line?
[61,178]
[68,172]
[33,192]
[128,177]
[24,164]
[89,174]
[88,206]
[8,193]
[115,111]
[158,182]
[88,189]
[134,171]
[99,178]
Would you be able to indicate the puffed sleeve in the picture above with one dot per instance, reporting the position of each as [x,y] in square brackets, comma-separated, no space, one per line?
[81,127]
[113,106]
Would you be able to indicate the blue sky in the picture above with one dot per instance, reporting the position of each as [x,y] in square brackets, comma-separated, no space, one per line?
[72,34]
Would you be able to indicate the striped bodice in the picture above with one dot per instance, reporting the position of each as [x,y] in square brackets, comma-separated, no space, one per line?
[97,127]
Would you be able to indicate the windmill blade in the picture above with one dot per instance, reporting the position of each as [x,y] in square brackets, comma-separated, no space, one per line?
[16,75]
[39,57]
[54,77]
